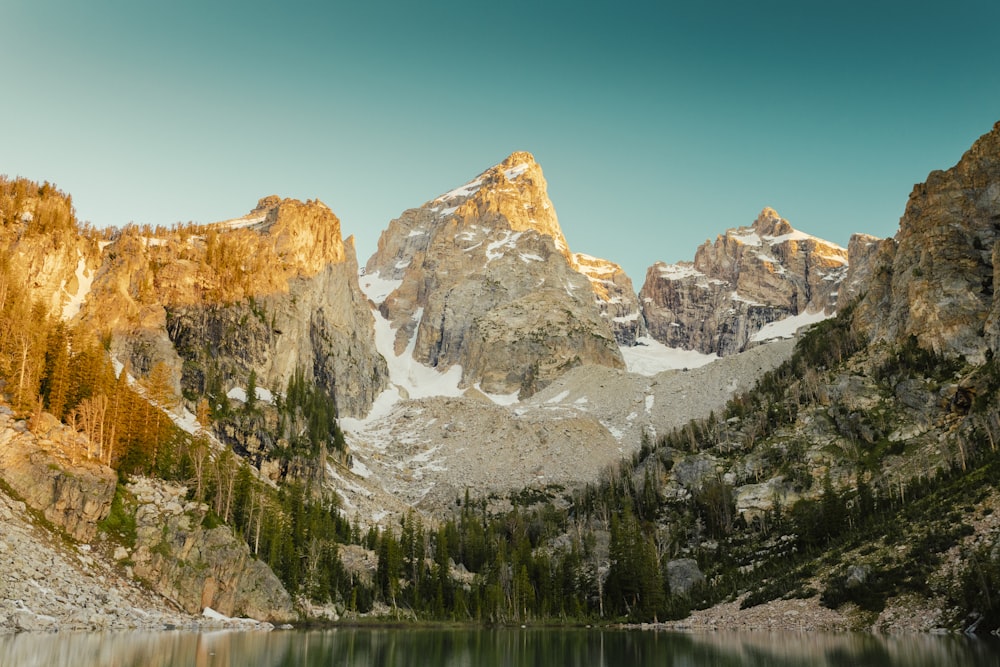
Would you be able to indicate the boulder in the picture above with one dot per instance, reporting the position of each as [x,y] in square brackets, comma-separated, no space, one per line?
[683,575]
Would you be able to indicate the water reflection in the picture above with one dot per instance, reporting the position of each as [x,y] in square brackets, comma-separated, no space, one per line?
[488,648]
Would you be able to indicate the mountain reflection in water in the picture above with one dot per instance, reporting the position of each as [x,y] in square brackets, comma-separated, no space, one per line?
[404,647]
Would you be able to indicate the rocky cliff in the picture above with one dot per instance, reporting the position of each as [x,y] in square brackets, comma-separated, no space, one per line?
[615,297]
[49,468]
[48,465]
[199,567]
[935,279]
[862,250]
[748,278]
[272,292]
[482,277]
[39,230]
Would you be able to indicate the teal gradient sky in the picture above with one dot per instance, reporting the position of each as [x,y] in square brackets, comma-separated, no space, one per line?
[658,124]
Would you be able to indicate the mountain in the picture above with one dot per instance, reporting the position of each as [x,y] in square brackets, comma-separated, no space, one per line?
[935,279]
[482,278]
[269,293]
[747,279]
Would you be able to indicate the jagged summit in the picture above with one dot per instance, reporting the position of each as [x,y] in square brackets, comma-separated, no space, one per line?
[748,278]
[510,195]
[481,277]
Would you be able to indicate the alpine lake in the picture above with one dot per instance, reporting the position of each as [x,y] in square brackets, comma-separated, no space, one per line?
[544,647]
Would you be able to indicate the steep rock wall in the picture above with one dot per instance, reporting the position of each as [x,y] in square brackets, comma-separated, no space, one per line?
[935,279]
[200,567]
[472,265]
[273,292]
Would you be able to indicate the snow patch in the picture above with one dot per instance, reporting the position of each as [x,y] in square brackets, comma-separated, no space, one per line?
[499,399]
[509,240]
[406,373]
[376,288]
[593,265]
[84,281]
[466,190]
[650,357]
[559,398]
[514,172]
[186,421]
[746,238]
[247,221]
[794,235]
[787,327]
[736,296]
[678,272]
[240,394]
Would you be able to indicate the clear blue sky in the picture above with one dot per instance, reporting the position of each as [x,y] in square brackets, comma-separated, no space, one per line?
[658,124]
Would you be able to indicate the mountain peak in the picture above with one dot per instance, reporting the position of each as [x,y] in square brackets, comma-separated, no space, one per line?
[769,223]
[517,158]
[747,279]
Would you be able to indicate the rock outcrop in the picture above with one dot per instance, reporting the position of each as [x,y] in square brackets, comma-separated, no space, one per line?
[49,584]
[683,575]
[38,229]
[478,274]
[272,293]
[862,250]
[748,278]
[195,567]
[615,297]
[47,467]
[935,279]
[200,567]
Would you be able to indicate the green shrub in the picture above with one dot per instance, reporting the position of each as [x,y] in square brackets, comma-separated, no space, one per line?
[120,522]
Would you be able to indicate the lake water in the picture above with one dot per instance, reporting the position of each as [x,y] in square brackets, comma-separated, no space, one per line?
[349,647]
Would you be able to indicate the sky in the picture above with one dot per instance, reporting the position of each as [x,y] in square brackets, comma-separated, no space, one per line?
[658,124]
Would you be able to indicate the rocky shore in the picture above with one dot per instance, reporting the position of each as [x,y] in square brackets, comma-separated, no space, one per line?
[48,583]
[58,571]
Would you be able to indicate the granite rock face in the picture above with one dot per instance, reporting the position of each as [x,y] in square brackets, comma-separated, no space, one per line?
[47,466]
[935,279]
[200,567]
[271,293]
[473,275]
[615,297]
[748,278]
[861,253]
[38,230]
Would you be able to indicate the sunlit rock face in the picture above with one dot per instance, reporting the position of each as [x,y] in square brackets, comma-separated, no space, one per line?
[482,277]
[862,250]
[271,293]
[747,278]
[935,279]
[615,297]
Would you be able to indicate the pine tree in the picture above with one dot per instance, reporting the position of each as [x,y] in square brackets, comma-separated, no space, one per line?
[55,385]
